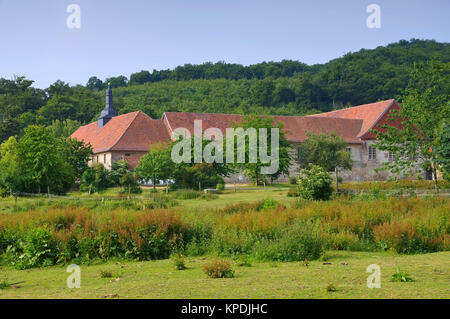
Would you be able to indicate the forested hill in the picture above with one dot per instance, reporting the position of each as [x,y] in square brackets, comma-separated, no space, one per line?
[286,87]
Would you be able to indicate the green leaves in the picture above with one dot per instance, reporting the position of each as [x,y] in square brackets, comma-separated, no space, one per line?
[326,150]
[413,132]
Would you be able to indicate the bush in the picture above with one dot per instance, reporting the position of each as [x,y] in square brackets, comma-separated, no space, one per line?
[218,269]
[106,273]
[178,262]
[315,184]
[293,180]
[401,276]
[220,187]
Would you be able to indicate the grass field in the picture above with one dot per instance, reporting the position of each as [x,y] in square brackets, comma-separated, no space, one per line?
[159,279]
[263,279]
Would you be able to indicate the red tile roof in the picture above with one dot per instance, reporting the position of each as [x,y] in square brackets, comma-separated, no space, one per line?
[369,113]
[134,131]
[295,127]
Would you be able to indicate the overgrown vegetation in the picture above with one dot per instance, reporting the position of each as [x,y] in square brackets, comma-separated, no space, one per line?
[219,269]
[265,230]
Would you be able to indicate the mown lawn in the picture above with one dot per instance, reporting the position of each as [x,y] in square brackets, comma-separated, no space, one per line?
[159,279]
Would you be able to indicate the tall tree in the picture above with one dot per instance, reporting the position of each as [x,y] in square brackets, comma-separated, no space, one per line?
[38,154]
[443,150]
[413,132]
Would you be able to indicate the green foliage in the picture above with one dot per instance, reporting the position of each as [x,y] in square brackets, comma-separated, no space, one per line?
[254,170]
[95,178]
[314,184]
[401,276]
[178,262]
[218,269]
[75,153]
[197,176]
[36,162]
[326,150]
[106,273]
[298,242]
[443,150]
[413,134]
[156,165]
[4,283]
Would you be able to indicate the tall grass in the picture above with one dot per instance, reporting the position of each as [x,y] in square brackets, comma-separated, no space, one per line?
[264,230]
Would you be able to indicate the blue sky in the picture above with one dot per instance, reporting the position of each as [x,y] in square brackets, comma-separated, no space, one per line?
[123,37]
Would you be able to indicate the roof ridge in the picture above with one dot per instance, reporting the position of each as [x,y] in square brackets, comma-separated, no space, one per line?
[352,107]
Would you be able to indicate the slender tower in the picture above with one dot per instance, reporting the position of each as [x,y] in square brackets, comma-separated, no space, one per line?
[108,112]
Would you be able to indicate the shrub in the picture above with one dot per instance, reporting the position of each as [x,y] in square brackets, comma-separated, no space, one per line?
[331,288]
[106,273]
[315,184]
[178,262]
[292,180]
[220,187]
[218,269]
[4,283]
[401,276]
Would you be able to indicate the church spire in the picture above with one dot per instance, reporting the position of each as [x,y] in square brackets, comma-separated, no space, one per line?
[108,112]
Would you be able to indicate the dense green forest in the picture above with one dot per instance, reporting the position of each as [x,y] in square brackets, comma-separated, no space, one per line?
[284,88]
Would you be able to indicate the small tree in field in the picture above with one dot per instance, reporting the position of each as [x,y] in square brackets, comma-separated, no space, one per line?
[314,183]
[156,165]
[326,150]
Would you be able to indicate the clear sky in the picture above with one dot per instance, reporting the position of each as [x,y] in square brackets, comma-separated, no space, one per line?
[123,37]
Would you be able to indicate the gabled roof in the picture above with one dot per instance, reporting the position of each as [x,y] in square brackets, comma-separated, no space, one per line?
[369,113]
[295,127]
[134,131]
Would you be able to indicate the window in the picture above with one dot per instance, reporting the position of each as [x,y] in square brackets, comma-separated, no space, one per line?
[391,157]
[104,158]
[97,160]
[349,149]
[372,153]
